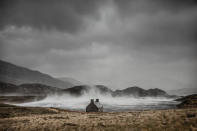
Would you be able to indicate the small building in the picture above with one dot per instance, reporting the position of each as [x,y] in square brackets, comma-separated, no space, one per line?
[94,106]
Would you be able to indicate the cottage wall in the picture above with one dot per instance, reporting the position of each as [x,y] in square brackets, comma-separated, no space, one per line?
[92,108]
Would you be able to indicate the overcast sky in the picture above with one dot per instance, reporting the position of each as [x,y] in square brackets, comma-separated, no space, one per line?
[118,43]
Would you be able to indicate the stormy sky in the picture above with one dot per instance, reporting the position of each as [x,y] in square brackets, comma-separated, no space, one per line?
[118,43]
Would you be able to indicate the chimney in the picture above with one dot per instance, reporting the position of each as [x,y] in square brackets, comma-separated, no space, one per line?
[92,101]
[97,100]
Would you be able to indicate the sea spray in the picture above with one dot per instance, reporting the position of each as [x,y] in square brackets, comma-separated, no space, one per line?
[123,103]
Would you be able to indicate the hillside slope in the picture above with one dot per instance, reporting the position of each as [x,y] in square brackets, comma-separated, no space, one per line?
[17,75]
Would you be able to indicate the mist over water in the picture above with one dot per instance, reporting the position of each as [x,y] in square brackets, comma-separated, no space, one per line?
[116,104]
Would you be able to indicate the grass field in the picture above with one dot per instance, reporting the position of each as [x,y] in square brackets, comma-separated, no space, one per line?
[13,118]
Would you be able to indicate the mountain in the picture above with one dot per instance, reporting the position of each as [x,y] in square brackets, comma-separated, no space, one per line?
[70,80]
[17,75]
[183,91]
[27,89]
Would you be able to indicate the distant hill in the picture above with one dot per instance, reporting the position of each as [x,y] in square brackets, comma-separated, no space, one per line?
[135,91]
[156,92]
[139,92]
[36,89]
[183,91]
[17,75]
[27,89]
[131,91]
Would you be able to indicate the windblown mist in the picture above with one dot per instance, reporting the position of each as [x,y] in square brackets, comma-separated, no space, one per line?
[110,103]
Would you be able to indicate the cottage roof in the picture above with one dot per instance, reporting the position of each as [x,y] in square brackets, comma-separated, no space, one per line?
[98,104]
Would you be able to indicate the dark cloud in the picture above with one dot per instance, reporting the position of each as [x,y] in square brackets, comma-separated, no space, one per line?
[151,6]
[150,43]
[67,15]
[161,28]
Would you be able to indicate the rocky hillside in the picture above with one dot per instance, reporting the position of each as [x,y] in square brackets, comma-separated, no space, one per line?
[17,75]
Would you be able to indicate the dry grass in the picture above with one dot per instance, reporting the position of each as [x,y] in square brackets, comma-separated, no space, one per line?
[51,119]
